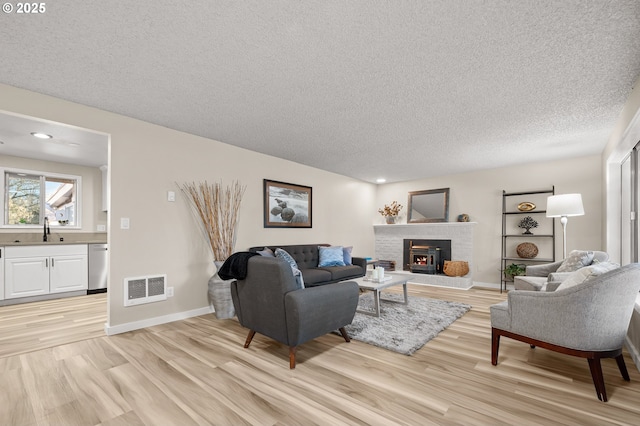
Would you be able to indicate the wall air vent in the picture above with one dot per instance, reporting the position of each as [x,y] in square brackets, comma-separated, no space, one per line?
[139,290]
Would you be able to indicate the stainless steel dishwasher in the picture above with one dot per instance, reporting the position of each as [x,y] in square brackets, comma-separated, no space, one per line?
[98,268]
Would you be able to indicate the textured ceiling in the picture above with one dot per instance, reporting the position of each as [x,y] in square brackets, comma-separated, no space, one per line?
[400,89]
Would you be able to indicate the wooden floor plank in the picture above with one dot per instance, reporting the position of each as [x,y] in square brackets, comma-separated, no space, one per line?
[58,367]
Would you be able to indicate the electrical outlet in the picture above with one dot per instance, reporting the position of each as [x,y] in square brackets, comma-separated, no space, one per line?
[124,223]
[102,228]
[171,196]
[169,291]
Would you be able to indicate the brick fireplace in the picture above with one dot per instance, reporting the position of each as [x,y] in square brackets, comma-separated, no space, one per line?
[455,240]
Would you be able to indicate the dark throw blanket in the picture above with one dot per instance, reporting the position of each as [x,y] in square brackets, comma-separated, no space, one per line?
[235,267]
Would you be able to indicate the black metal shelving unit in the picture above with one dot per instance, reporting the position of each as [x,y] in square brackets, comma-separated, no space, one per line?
[507,232]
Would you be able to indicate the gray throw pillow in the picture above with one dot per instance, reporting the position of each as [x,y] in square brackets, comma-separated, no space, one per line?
[586,274]
[267,252]
[577,259]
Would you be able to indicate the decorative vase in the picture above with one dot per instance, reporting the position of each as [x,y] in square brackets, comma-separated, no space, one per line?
[390,219]
[220,294]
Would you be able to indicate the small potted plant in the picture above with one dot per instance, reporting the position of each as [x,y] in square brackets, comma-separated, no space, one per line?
[527,223]
[391,212]
[513,270]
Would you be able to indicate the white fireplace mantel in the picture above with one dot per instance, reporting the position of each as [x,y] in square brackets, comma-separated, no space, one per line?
[389,243]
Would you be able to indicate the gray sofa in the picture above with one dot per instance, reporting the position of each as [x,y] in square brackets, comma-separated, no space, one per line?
[545,278]
[307,257]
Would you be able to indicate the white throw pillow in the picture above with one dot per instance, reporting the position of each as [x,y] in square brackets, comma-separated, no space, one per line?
[588,273]
[577,259]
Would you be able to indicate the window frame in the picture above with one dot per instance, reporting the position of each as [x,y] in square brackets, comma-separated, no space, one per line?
[40,174]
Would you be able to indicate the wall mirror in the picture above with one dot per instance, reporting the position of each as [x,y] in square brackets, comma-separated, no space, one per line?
[428,206]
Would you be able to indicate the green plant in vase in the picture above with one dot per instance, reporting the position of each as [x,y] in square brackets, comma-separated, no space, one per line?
[513,270]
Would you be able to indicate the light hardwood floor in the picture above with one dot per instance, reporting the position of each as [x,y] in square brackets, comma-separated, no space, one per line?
[196,371]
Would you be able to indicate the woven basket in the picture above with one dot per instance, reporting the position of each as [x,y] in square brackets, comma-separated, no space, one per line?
[455,268]
[527,250]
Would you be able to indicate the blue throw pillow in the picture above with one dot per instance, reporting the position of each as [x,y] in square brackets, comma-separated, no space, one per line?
[331,256]
[346,251]
[282,254]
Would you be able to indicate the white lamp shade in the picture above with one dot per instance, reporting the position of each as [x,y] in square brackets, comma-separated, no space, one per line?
[565,205]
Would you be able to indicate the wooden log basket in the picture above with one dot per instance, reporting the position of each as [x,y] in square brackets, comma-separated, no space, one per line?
[455,268]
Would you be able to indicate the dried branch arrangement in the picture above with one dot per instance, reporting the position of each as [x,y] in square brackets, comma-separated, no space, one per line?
[391,210]
[218,209]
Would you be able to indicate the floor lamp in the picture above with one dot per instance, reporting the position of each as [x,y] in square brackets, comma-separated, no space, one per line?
[563,206]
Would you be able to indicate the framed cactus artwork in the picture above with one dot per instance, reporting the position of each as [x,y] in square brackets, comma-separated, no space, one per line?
[286,205]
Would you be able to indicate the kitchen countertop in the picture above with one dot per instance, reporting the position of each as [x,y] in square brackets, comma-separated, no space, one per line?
[35,239]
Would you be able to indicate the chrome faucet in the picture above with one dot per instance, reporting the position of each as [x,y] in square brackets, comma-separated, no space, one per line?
[46,230]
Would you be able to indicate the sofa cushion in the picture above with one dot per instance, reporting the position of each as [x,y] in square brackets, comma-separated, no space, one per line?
[577,259]
[306,255]
[330,256]
[343,272]
[313,276]
[588,273]
[525,282]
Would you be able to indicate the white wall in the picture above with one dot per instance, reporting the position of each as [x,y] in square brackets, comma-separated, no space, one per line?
[479,194]
[147,160]
[92,214]
[625,135]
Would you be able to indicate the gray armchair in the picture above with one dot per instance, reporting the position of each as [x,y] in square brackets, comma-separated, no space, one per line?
[268,301]
[544,277]
[589,320]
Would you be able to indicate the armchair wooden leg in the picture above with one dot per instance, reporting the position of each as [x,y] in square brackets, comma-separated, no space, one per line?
[292,357]
[623,368]
[344,334]
[249,338]
[495,346]
[598,379]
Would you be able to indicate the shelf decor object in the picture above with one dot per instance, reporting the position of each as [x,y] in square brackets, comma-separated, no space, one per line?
[526,206]
[527,250]
[563,206]
[527,223]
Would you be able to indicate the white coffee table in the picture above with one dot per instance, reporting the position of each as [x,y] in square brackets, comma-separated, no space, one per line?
[377,287]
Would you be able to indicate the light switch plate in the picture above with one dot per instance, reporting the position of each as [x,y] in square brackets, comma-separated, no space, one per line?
[171,196]
[124,223]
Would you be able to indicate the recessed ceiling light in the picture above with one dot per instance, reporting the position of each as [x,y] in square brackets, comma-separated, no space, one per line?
[73,144]
[41,135]
[381,180]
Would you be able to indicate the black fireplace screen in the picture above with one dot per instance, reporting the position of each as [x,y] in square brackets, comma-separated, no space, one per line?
[426,256]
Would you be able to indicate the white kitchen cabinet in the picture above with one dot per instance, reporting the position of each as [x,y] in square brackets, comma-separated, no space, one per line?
[37,270]
[26,277]
[68,273]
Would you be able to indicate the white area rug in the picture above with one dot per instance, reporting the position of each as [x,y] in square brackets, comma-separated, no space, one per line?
[403,328]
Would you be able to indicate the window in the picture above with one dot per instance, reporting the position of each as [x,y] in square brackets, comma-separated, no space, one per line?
[30,197]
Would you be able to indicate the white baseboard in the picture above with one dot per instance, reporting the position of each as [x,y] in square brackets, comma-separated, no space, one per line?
[150,322]
[479,284]
[634,352]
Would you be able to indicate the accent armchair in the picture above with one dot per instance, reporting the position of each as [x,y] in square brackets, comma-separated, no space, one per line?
[544,277]
[589,320]
[269,301]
